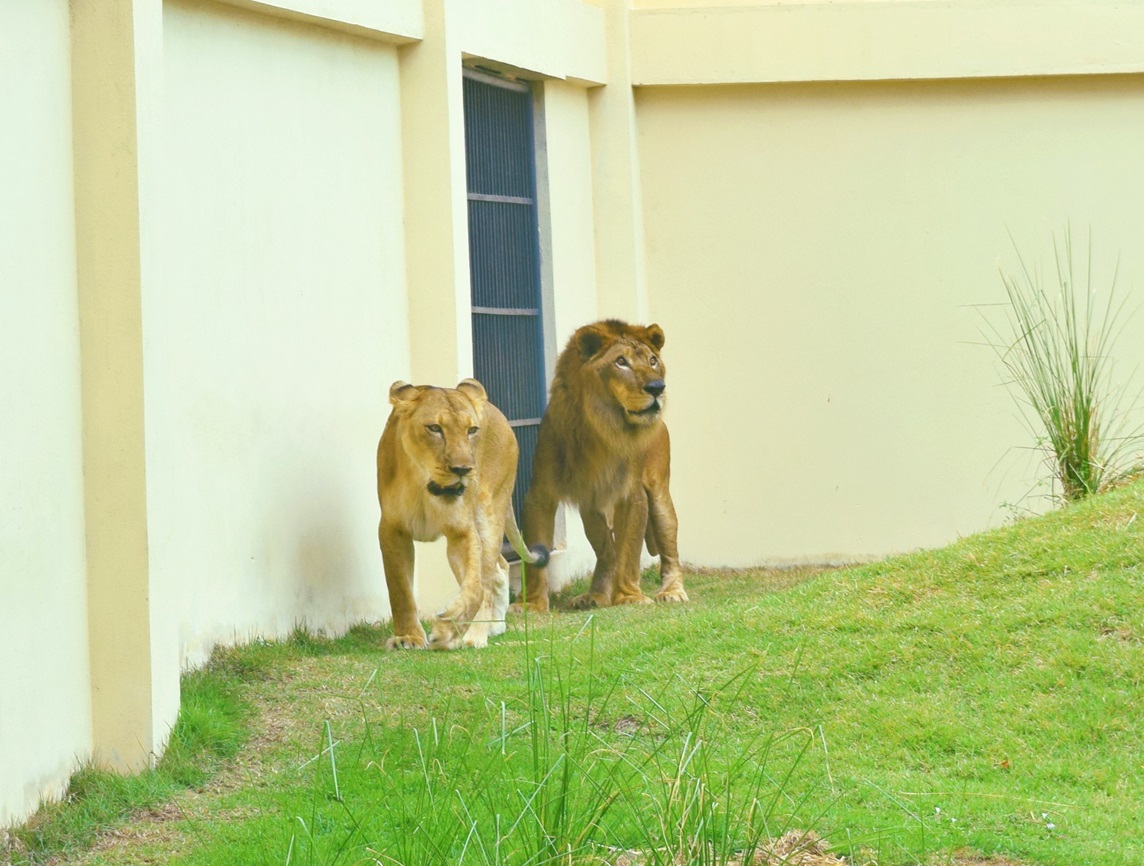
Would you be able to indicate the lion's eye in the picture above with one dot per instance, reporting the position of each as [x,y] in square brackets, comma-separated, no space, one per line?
[473,431]
[433,428]
[622,362]
[654,361]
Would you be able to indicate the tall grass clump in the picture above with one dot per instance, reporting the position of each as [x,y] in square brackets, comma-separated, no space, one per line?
[1056,349]
[562,776]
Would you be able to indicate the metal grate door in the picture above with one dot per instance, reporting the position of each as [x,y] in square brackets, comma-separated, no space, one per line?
[504,258]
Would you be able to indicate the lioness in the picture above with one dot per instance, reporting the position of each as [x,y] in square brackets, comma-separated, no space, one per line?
[604,447]
[446,464]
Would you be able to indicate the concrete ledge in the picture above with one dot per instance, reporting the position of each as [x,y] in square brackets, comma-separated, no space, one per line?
[395,21]
[550,38]
[869,40]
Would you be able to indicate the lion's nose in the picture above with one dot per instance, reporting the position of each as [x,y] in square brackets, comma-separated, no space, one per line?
[655,387]
[460,471]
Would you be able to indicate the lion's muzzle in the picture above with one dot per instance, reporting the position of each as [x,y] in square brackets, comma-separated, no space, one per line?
[649,411]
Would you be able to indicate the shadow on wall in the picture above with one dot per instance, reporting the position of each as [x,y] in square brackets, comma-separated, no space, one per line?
[335,574]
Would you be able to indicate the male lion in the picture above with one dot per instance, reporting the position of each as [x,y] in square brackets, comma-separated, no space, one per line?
[604,447]
[446,464]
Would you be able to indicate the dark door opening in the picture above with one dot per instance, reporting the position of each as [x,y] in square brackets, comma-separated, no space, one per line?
[504,258]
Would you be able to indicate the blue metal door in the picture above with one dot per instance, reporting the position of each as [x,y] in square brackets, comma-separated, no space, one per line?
[504,258]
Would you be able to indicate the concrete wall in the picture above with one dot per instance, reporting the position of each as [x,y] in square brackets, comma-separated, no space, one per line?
[815,253]
[45,710]
[277,327]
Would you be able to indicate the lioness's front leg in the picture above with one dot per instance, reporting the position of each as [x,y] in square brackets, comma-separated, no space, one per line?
[628,527]
[464,551]
[397,558]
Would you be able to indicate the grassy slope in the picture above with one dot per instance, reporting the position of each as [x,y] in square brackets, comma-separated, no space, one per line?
[984,696]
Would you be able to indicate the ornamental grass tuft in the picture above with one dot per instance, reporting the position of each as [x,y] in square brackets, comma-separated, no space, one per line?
[1056,348]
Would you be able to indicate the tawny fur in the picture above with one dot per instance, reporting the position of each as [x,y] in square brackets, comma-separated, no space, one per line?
[437,439]
[603,446]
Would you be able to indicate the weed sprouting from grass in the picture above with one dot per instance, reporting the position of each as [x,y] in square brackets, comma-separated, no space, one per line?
[1057,353]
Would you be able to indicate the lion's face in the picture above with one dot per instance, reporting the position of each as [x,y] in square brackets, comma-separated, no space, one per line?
[440,428]
[629,368]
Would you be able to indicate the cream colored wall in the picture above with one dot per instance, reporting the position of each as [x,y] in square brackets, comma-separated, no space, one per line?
[813,254]
[753,41]
[45,711]
[278,327]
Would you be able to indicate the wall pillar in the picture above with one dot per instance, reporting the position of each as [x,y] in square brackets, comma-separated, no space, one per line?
[621,282]
[436,204]
[116,91]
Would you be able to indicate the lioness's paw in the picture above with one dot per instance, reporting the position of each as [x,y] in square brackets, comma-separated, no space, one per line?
[589,600]
[406,641]
[632,598]
[444,635]
[476,637]
[672,594]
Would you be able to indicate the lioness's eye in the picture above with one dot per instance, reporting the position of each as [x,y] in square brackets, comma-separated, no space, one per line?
[622,361]
[654,361]
[473,431]
[433,428]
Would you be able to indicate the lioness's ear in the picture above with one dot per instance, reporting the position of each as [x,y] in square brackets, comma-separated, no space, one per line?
[654,335]
[590,342]
[402,392]
[475,390]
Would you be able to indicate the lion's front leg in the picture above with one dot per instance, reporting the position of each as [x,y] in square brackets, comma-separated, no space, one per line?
[601,590]
[630,519]
[538,527]
[456,625]
[397,558]
[663,524]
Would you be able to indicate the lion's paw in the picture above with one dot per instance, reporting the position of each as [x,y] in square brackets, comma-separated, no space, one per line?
[589,600]
[672,594]
[406,641]
[633,598]
[530,607]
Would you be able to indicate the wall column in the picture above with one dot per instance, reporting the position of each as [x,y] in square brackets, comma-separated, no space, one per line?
[436,205]
[116,93]
[621,282]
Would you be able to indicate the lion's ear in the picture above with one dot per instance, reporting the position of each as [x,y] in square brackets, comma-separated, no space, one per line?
[590,342]
[475,391]
[402,392]
[654,335]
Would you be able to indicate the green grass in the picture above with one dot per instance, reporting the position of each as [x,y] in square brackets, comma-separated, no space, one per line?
[986,697]
[212,726]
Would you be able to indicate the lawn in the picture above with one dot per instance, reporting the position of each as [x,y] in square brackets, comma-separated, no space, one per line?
[979,701]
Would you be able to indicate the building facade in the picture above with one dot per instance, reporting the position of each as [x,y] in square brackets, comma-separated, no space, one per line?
[227,227]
